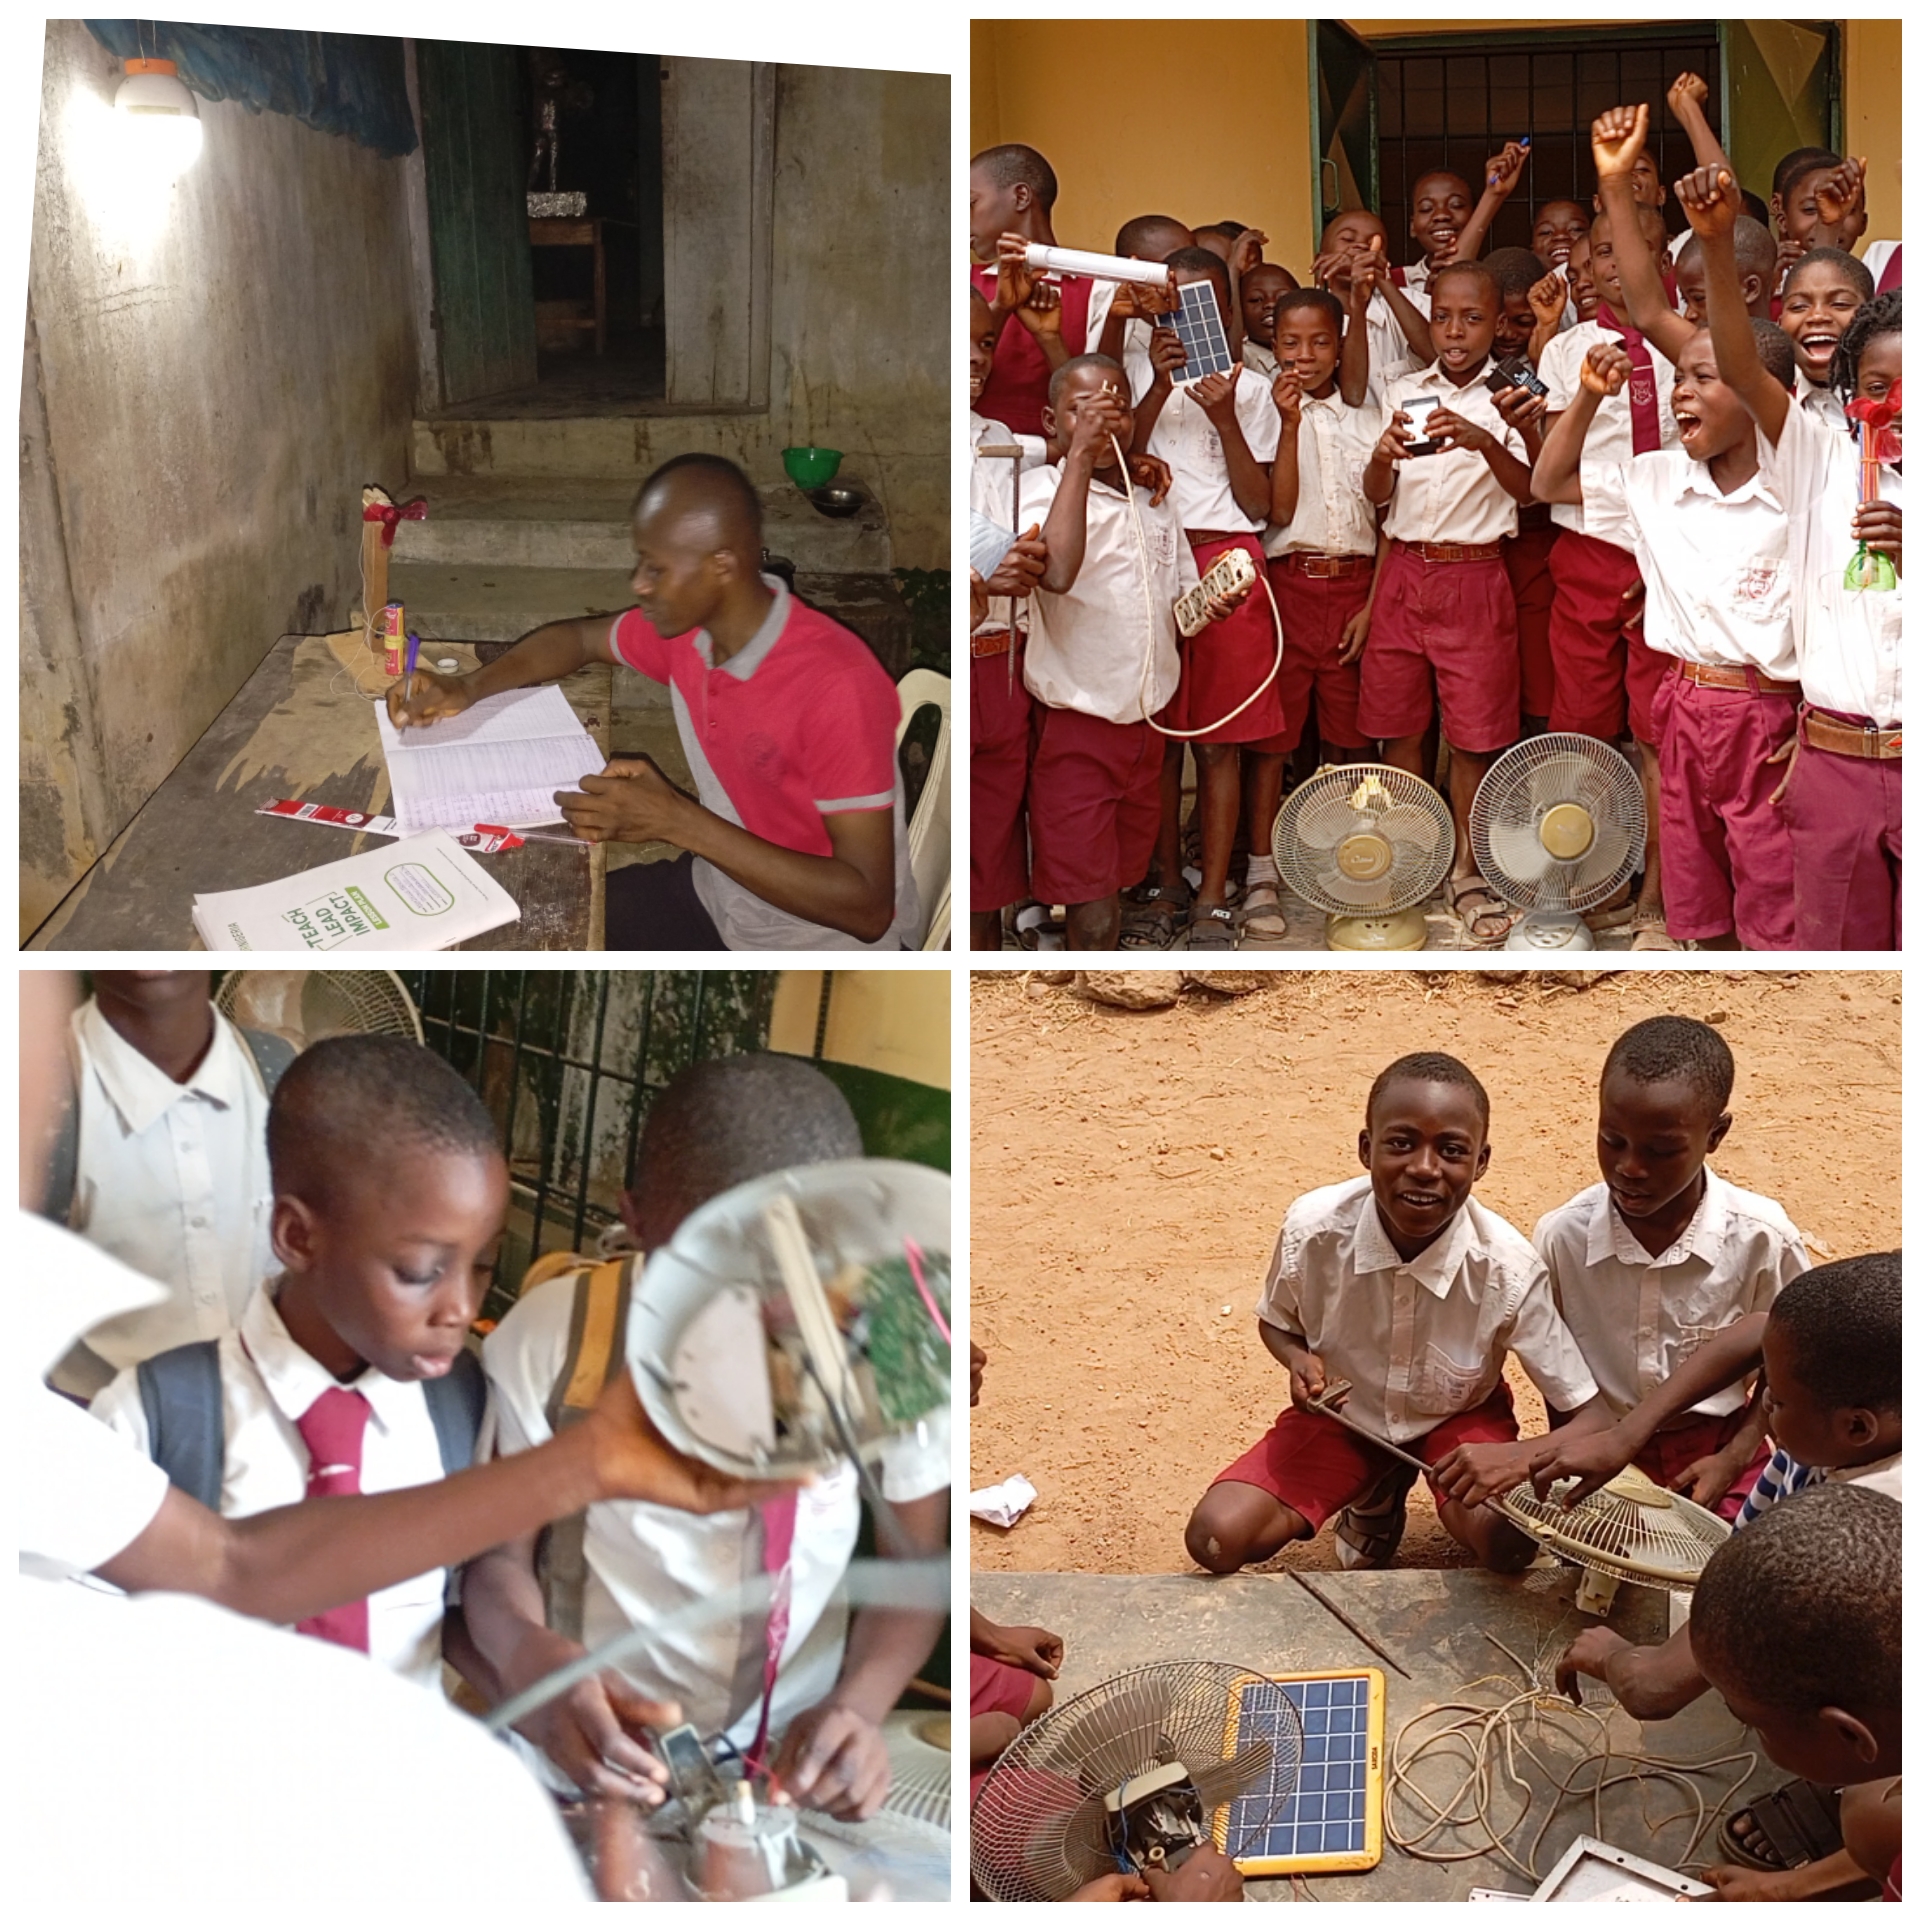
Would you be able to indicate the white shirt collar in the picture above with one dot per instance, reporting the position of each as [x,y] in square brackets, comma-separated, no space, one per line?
[1610,1238]
[138,1089]
[1435,377]
[293,1378]
[1436,1264]
[1694,478]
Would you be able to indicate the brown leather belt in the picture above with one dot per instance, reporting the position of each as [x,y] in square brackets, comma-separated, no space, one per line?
[1822,730]
[990,646]
[1735,679]
[1445,550]
[1327,566]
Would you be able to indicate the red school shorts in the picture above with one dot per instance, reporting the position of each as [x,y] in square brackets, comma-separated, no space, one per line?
[1313,613]
[1223,663]
[1693,1437]
[998,749]
[1529,559]
[1316,1467]
[1843,816]
[1444,626]
[1604,674]
[1093,804]
[995,1687]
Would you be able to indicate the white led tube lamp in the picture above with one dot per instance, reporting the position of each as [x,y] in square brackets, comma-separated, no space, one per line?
[1096,266]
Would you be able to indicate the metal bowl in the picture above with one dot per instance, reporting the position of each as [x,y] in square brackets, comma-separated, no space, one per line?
[838,503]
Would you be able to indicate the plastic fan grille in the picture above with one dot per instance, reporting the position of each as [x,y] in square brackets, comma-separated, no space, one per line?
[1631,1528]
[304,1007]
[1565,771]
[1393,829]
[1039,1822]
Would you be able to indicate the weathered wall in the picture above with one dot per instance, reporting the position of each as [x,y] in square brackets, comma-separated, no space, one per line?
[219,371]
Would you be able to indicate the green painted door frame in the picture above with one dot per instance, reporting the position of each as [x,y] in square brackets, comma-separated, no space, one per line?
[1346,121]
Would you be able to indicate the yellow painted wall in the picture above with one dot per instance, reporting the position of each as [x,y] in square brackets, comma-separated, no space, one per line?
[1870,107]
[886,1020]
[1234,146]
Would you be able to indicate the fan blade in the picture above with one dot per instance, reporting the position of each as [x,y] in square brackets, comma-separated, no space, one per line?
[1219,1781]
[1410,827]
[1321,820]
[1517,852]
[1358,896]
[1610,857]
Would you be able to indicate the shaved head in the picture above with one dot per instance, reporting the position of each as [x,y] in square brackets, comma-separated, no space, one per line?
[704,504]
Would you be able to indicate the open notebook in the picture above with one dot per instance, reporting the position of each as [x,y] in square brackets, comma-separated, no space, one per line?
[501,761]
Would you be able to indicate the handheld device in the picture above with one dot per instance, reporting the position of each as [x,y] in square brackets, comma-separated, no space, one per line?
[1096,266]
[1516,373]
[1418,409]
[1194,608]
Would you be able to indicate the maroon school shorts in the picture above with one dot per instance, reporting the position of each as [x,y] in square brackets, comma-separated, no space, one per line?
[1313,614]
[998,750]
[1093,804]
[1226,660]
[1445,626]
[1604,674]
[1843,817]
[1693,1437]
[1529,558]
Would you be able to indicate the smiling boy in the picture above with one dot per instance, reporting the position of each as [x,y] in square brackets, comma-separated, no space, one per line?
[1405,1285]
[798,836]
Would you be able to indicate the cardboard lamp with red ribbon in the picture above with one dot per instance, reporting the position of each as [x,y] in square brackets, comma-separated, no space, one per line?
[1879,424]
[801,1319]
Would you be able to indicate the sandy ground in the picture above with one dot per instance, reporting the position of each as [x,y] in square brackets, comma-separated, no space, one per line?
[1130,1171]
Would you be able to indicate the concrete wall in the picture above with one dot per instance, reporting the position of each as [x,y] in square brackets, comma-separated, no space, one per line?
[219,369]
[1870,107]
[860,354]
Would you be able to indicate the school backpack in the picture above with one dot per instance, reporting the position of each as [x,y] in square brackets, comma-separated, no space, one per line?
[596,1350]
[271,1057]
[187,1416]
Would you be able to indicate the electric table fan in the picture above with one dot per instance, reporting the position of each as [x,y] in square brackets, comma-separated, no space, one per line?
[302,1007]
[1559,822]
[1367,845]
[1631,1529]
[1125,1776]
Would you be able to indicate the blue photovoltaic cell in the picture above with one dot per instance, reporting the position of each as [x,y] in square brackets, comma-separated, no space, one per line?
[1327,1811]
[1197,322]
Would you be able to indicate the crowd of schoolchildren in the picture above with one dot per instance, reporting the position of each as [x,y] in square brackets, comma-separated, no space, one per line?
[1672,1322]
[317,1234]
[1641,488]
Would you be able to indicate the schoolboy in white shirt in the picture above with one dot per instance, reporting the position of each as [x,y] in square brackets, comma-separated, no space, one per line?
[1842,796]
[717,1125]
[1659,1256]
[1404,1285]
[348,1374]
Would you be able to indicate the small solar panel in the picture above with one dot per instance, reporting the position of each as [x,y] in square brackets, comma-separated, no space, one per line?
[1197,322]
[1332,1820]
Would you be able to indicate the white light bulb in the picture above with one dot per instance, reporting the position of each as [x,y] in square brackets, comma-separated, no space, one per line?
[158,120]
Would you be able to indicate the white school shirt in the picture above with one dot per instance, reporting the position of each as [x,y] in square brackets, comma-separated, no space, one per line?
[1451,496]
[1635,1317]
[1259,360]
[990,490]
[1610,433]
[1388,353]
[1821,403]
[1421,1340]
[81,1494]
[1187,441]
[1089,648]
[173,1180]
[268,1382]
[1876,257]
[1848,642]
[1718,583]
[646,1562]
[1333,514]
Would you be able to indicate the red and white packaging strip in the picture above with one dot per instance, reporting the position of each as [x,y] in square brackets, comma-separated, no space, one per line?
[481,840]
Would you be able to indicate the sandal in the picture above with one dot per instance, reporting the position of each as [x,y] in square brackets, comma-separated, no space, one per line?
[1650,934]
[1262,924]
[1619,911]
[1367,1534]
[1474,920]
[1211,930]
[1154,918]
[1034,931]
[1799,1823]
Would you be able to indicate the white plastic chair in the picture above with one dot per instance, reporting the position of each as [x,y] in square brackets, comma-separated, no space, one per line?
[929,828]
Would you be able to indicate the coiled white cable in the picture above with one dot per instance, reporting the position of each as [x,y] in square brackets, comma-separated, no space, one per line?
[1146,608]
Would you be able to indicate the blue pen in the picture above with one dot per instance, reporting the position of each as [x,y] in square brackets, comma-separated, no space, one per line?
[413,660]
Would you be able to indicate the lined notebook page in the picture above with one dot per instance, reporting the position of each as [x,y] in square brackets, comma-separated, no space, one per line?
[501,761]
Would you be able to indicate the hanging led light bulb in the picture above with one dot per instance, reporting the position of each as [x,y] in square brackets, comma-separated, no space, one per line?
[158,119]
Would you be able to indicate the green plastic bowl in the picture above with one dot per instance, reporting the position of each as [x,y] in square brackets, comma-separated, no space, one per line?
[809,467]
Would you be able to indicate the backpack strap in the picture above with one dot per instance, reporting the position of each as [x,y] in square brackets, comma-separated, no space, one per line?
[596,1350]
[458,1402]
[186,1418]
[272,1055]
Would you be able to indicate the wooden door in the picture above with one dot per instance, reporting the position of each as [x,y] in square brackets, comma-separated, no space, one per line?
[1780,89]
[1345,122]
[472,132]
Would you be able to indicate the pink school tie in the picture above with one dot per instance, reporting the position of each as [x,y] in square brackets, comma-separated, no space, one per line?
[777,1517]
[1643,396]
[334,1428]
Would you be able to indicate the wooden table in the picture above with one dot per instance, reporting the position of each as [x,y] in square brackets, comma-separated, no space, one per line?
[579,233]
[302,728]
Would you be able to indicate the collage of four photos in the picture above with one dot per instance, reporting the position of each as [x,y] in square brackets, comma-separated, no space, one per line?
[1429,1420]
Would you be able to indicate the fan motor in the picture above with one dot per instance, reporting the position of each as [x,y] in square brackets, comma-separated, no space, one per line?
[1155,1819]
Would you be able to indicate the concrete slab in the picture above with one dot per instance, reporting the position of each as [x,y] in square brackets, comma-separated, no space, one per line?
[1435,1624]
[480,600]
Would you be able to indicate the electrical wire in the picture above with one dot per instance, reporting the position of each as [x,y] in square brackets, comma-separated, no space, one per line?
[914,1267]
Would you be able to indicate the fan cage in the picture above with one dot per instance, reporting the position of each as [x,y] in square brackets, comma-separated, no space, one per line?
[1554,769]
[1319,813]
[1038,1819]
[302,1006]
[1664,1547]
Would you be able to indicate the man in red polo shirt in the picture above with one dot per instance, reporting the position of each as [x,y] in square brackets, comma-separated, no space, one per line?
[798,836]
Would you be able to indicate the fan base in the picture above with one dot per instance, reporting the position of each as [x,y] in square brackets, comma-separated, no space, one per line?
[1550,933]
[1402,932]
[1596,1591]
